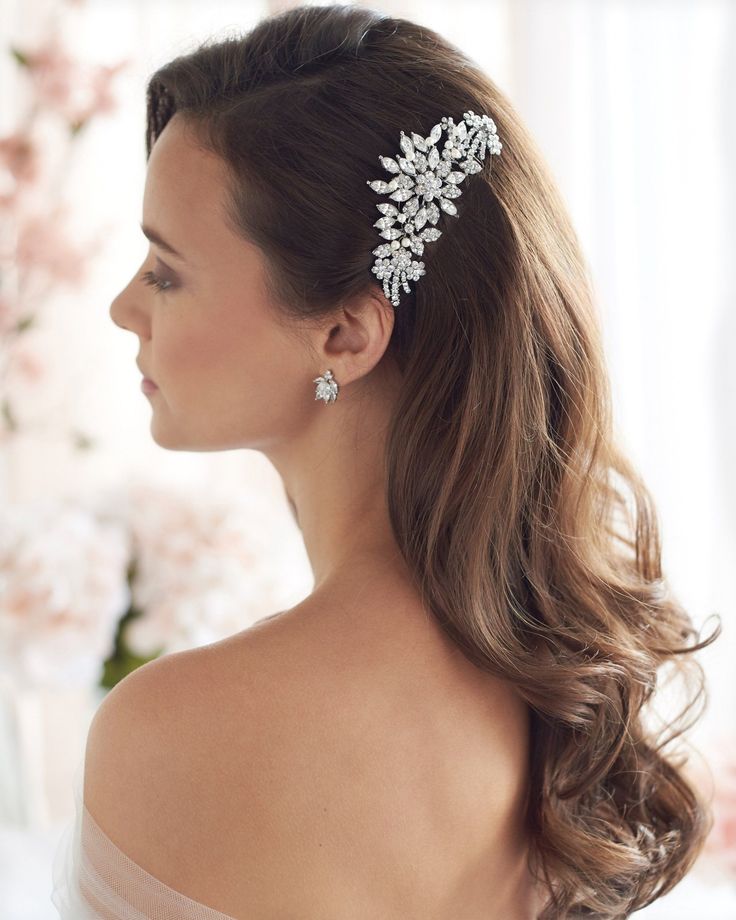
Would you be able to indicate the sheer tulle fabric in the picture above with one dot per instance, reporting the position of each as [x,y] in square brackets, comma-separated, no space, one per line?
[94,880]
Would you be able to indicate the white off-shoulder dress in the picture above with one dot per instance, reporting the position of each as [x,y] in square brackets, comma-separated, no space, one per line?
[94,880]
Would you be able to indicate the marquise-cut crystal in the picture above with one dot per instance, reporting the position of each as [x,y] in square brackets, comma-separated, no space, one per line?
[418,141]
[389,164]
[407,146]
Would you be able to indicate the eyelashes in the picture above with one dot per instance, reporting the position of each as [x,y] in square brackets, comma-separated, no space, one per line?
[159,283]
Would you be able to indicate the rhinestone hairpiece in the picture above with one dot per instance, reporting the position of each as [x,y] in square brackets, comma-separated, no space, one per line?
[421,175]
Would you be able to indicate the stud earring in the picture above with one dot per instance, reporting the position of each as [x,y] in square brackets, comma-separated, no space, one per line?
[327,387]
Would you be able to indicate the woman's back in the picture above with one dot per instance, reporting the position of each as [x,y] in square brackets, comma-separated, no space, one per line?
[322,768]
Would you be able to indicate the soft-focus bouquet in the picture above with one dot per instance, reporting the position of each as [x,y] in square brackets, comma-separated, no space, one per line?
[56,98]
[89,590]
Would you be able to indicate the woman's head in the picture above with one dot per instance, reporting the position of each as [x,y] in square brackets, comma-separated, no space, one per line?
[531,537]
[272,150]
[211,338]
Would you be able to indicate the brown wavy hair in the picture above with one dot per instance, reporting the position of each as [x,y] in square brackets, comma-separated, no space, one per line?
[532,539]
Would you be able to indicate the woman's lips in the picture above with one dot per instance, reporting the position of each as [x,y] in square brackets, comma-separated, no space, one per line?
[148,386]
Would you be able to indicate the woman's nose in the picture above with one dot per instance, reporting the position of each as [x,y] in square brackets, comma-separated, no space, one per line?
[126,313]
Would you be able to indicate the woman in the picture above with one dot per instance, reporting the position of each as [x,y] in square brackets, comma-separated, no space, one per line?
[451,725]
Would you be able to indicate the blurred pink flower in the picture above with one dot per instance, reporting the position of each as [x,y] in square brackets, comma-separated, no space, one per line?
[9,314]
[64,588]
[208,564]
[19,156]
[74,89]
[43,243]
[26,363]
[54,74]
[100,88]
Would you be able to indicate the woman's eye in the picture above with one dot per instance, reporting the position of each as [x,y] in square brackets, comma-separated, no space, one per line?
[159,283]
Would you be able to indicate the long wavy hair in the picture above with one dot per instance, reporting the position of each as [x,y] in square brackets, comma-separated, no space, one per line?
[531,537]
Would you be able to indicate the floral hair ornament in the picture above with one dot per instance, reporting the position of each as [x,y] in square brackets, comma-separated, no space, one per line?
[421,175]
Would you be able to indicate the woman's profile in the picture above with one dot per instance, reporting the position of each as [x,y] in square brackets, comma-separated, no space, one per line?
[453,724]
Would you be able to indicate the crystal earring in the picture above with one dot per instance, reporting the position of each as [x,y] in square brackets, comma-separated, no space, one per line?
[327,387]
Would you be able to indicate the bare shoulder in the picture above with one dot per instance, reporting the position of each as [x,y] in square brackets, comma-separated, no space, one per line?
[173,750]
[160,736]
[134,743]
[162,719]
[260,773]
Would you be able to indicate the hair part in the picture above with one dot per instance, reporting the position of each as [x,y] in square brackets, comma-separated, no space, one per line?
[530,535]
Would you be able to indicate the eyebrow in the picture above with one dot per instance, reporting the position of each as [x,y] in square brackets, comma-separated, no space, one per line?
[156,238]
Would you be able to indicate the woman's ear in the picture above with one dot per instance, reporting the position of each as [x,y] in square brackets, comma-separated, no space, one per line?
[355,337]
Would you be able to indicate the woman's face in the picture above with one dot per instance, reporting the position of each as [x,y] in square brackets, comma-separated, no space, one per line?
[228,375]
